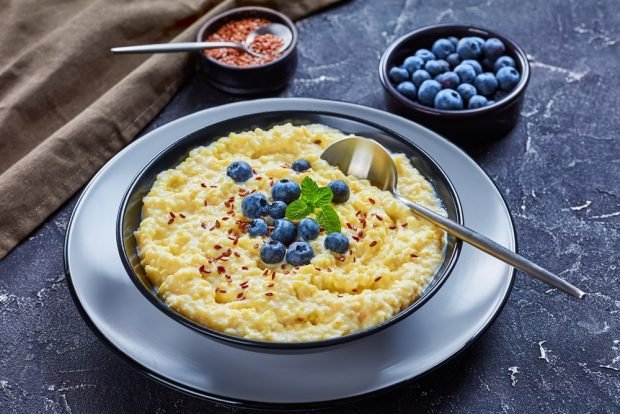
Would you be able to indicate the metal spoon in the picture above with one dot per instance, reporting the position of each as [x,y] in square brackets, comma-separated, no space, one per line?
[276,29]
[367,159]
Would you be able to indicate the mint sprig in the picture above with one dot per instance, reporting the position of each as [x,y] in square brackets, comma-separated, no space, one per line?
[315,199]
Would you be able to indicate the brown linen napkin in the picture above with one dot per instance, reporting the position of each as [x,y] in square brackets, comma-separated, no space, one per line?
[67,105]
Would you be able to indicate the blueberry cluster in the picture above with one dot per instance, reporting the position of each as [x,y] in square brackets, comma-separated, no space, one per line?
[288,241]
[457,73]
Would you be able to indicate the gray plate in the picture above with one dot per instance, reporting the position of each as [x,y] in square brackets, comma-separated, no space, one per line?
[178,356]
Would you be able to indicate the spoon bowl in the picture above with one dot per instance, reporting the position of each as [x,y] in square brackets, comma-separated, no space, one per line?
[367,159]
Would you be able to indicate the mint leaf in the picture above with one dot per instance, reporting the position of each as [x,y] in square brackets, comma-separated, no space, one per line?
[297,210]
[308,189]
[322,197]
[328,219]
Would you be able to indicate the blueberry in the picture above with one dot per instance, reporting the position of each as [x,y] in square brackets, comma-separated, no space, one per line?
[427,92]
[425,55]
[442,48]
[239,171]
[478,40]
[420,76]
[308,229]
[277,209]
[448,80]
[469,48]
[486,83]
[272,252]
[435,67]
[454,40]
[466,91]
[337,242]
[398,74]
[493,48]
[408,89]
[453,60]
[255,205]
[283,231]
[299,254]
[474,64]
[508,78]
[340,189]
[413,63]
[504,61]
[258,227]
[466,73]
[448,99]
[285,190]
[477,101]
[300,165]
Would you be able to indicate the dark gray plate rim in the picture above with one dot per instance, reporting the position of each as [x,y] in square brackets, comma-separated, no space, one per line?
[191,391]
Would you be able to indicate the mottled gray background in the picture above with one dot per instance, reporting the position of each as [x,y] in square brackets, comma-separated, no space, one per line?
[558,169]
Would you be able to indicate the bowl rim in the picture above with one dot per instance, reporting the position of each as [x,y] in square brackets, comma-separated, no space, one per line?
[202,31]
[287,346]
[460,113]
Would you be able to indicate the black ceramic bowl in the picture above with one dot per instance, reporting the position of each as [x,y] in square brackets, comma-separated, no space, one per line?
[462,126]
[260,79]
[130,211]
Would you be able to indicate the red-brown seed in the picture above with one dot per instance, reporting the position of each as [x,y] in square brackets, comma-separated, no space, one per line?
[206,204]
[172,214]
[222,291]
[373,243]
[413,255]
[217,247]
[221,269]
[354,290]
[317,142]
[265,272]
[392,227]
[240,295]
[258,178]
[355,238]
[329,269]
[203,185]
[371,201]
[377,279]
[269,294]
[203,225]
[237,254]
[225,218]
[213,186]
[171,221]
[244,268]
[379,217]
[404,225]
[253,171]
[271,285]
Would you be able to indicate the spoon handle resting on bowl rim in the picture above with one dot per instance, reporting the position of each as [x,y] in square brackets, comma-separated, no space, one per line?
[494,249]
[176,47]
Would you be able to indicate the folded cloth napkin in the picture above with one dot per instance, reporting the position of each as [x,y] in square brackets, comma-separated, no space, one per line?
[67,105]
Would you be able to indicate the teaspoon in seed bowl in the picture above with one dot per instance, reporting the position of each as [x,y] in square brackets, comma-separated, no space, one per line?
[275,29]
[367,159]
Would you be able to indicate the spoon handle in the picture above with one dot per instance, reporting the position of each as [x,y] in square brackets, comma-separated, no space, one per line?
[494,249]
[176,47]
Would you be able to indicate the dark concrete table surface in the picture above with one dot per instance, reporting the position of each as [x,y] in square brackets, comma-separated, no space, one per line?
[559,170]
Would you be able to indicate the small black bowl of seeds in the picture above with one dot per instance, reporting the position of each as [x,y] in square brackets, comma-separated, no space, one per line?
[235,71]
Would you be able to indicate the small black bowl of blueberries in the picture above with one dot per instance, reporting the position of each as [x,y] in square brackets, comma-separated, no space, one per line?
[464,82]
